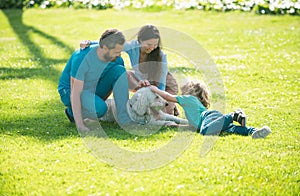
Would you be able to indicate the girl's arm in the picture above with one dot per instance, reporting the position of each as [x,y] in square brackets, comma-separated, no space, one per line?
[167,96]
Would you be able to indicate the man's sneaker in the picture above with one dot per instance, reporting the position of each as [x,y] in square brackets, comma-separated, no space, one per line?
[261,133]
[71,118]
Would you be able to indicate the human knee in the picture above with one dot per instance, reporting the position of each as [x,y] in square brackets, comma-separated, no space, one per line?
[101,110]
[119,70]
[65,97]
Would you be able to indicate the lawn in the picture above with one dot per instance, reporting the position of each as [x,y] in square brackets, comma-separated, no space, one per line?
[257,62]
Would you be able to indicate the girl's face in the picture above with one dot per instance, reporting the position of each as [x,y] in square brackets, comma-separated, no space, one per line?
[149,45]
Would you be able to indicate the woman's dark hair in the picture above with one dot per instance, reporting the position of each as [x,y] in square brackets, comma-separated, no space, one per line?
[111,37]
[152,65]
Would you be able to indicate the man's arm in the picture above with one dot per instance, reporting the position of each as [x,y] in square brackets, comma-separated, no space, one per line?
[167,96]
[76,89]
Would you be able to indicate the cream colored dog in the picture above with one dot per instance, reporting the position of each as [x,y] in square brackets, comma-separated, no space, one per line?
[145,107]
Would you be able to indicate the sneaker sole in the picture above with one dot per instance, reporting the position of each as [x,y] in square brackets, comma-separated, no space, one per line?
[261,133]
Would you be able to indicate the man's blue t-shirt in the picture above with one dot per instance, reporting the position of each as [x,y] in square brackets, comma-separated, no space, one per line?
[73,63]
[85,65]
[193,109]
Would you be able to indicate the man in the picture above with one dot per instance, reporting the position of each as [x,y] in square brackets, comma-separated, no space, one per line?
[90,76]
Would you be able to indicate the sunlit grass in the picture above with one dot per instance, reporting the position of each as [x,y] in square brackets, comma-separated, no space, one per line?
[41,153]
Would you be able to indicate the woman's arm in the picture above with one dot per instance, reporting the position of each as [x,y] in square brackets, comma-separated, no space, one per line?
[167,96]
[86,43]
[164,72]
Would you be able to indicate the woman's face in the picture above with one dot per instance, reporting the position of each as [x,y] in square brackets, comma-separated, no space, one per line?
[149,45]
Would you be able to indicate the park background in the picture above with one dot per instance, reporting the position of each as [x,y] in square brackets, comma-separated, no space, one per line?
[257,55]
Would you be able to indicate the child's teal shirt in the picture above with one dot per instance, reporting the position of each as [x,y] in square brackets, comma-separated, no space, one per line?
[194,110]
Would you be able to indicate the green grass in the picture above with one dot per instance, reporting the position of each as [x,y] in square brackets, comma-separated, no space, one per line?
[42,154]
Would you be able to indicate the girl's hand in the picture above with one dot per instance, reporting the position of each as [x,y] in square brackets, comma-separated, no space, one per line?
[154,88]
[84,44]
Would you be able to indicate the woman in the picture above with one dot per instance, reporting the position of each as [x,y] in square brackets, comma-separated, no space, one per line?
[149,63]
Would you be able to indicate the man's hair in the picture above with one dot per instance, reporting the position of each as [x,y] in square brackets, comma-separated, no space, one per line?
[197,89]
[111,37]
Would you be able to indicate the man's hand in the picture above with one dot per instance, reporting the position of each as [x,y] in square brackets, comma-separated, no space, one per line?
[82,127]
[143,83]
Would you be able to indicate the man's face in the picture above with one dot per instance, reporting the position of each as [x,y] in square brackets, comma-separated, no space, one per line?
[112,54]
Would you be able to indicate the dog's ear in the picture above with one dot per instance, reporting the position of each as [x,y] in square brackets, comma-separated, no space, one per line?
[139,104]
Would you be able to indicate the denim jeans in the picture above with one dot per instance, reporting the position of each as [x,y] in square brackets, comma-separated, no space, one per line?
[215,122]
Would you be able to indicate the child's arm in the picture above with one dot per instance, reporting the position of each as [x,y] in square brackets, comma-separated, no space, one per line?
[167,96]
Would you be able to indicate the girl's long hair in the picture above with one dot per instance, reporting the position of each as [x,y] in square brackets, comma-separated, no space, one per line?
[197,89]
[153,63]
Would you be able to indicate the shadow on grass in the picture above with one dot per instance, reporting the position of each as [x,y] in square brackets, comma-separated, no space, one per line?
[40,127]
[23,73]
[45,126]
[48,123]
[15,19]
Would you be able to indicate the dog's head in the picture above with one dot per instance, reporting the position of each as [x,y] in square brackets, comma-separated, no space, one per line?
[144,99]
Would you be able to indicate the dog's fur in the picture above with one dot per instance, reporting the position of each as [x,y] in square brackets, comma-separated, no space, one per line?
[145,108]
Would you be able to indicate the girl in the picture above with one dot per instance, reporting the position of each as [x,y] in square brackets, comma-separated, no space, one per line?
[195,102]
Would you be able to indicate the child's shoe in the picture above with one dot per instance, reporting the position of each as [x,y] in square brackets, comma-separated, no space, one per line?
[240,117]
[261,133]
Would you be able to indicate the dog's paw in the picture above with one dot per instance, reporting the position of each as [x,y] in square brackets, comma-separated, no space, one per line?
[171,124]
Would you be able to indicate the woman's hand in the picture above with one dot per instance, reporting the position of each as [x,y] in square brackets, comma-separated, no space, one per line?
[84,44]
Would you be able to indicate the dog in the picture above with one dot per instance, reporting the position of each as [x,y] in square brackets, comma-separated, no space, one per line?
[145,107]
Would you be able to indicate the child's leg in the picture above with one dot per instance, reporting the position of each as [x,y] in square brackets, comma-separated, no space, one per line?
[261,133]
[240,130]
[214,122]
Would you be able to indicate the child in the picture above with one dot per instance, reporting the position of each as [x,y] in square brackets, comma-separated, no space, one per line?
[195,101]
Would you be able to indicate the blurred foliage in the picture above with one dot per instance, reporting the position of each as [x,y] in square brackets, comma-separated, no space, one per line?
[275,7]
